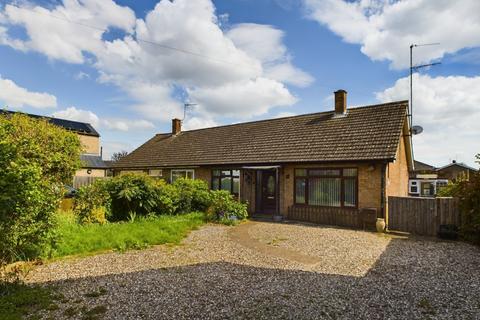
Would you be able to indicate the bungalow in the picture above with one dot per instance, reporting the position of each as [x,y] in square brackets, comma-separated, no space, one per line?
[324,167]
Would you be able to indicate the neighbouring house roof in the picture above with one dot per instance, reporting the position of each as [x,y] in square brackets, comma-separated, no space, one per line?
[459,164]
[365,133]
[75,126]
[90,161]
[422,166]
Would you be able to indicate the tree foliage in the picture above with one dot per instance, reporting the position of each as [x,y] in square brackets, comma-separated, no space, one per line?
[119,155]
[36,160]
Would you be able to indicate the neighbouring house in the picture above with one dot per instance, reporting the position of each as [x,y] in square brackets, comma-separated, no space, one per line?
[426,180]
[323,167]
[456,170]
[92,163]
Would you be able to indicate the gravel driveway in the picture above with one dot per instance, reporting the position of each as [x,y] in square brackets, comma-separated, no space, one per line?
[261,270]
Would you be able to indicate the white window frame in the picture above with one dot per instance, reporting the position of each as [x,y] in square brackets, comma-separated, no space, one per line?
[180,170]
[160,172]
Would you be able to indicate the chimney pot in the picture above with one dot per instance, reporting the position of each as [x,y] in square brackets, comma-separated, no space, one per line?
[176,126]
[340,102]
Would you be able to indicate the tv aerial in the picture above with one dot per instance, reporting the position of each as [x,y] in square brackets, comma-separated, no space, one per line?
[186,106]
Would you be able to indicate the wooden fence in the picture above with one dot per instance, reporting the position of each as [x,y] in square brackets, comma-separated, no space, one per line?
[351,218]
[82,181]
[422,216]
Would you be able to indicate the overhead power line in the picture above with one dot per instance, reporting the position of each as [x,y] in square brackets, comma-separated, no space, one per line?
[164,46]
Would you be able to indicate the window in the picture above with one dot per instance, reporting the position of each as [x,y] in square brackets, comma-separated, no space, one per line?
[414,187]
[182,173]
[155,172]
[226,180]
[327,187]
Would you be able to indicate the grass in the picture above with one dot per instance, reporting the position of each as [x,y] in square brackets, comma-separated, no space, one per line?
[77,239]
[18,300]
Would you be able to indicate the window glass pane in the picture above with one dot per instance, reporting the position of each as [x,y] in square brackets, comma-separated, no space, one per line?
[215,184]
[350,186]
[189,174]
[226,173]
[324,192]
[300,172]
[351,172]
[236,173]
[236,185]
[271,185]
[300,185]
[177,175]
[324,172]
[216,173]
[226,184]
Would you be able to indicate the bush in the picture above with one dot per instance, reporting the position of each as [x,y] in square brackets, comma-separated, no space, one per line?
[194,195]
[92,203]
[168,198]
[132,195]
[225,209]
[36,160]
[468,193]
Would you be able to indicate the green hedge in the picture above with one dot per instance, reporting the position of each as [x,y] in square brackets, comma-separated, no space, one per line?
[129,196]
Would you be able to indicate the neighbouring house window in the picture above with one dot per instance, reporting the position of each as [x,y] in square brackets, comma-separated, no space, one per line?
[155,172]
[413,187]
[226,180]
[326,187]
[182,173]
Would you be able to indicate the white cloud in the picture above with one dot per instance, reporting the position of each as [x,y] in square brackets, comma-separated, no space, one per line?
[81,75]
[265,43]
[448,109]
[72,113]
[51,35]
[75,114]
[209,62]
[245,99]
[386,28]
[192,123]
[284,114]
[17,97]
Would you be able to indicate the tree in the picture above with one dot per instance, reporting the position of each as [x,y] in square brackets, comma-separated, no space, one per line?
[119,155]
[36,160]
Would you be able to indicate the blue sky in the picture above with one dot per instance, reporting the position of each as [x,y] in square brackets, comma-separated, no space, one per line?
[247,60]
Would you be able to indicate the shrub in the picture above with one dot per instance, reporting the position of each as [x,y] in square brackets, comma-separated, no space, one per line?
[194,195]
[92,203]
[132,195]
[225,209]
[36,159]
[468,193]
[168,198]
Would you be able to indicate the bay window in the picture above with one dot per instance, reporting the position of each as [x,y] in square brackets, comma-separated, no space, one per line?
[228,180]
[326,187]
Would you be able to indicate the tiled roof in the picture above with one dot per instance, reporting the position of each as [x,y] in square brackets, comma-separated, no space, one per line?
[92,161]
[365,133]
[75,126]
[421,166]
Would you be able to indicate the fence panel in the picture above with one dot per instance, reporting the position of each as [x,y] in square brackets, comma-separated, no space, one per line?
[422,216]
[83,181]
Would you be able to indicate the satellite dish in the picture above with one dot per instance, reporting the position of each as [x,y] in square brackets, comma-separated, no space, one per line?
[417,130]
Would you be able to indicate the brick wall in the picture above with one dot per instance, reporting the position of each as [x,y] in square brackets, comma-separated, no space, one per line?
[90,144]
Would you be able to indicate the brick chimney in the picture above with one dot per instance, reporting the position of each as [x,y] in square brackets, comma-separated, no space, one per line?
[176,126]
[340,102]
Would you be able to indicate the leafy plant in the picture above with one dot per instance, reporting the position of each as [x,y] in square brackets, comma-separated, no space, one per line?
[194,195]
[92,203]
[225,209]
[132,195]
[36,160]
